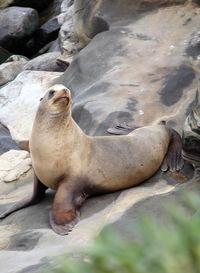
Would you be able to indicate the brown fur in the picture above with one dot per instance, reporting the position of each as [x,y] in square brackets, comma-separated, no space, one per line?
[77,165]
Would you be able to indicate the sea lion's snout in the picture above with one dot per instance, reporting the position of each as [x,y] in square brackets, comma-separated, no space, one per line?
[59,94]
[62,95]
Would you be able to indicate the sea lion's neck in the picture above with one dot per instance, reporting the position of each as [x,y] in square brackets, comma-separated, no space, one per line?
[56,125]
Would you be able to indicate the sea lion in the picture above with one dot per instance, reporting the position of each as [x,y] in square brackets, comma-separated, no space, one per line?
[77,165]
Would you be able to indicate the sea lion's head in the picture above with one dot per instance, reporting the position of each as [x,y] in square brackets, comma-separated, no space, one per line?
[56,102]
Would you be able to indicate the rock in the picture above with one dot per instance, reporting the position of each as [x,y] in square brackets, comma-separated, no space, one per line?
[13,164]
[5,3]
[91,18]
[65,5]
[45,62]
[6,142]
[9,70]
[19,100]
[4,54]
[120,75]
[46,33]
[191,133]
[137,71]
[67,38]
[54,46]
[17,24]
[32,223]
[15,58]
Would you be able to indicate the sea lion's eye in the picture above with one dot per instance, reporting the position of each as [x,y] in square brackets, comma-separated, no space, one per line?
[51,93]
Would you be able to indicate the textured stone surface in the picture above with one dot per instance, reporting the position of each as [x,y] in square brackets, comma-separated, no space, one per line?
[44,62]
[6,142]
[9,70]
[17,24]
[191,133]
[137,71]
[34,234]
[4,54]
[46,33]
[13,164]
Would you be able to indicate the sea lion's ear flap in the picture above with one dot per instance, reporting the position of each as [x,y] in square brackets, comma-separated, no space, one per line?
[41,98]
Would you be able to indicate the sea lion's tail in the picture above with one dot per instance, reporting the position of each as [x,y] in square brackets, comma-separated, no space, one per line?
[173,160]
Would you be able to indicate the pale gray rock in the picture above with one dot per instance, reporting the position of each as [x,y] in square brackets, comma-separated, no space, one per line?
[13,164]
[19,100]
[29,228]
[17,24]
[44,62]
[9,70]
[54,46]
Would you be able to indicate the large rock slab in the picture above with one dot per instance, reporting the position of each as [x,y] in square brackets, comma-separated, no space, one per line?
[19,100]
[91,18]
[138,71]
[29,240]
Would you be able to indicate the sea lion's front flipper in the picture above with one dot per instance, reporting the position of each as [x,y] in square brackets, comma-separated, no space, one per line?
[38,194]
[173,160]
[65,211]
[122,129]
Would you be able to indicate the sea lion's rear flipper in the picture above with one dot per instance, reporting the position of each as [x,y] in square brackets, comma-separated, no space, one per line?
[65,211]
[173,160]
[38,194]
[122,129]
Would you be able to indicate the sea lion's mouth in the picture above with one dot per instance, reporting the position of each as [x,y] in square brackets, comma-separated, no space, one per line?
[63,98]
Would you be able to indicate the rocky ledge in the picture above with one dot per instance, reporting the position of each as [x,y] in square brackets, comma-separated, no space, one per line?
[132,62]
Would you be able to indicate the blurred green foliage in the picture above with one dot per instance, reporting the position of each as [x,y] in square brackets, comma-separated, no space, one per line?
[160,248]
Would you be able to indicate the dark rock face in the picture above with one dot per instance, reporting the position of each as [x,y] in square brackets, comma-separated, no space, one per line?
[35,4]
[45,34]
[17,24]
[175,83]
[6,142]
[24,240]
[4,55]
